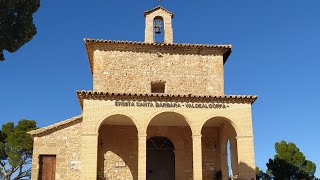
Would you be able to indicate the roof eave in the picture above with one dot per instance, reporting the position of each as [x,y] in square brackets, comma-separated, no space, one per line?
[226,56]
[82,94]
[90,58]
[50,128]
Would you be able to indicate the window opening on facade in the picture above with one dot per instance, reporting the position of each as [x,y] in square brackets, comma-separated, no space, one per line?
[158,87]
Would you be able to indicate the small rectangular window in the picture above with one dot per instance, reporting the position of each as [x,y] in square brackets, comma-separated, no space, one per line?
[157,87]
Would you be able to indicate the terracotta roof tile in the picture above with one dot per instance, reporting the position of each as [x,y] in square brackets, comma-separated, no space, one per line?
[53,127]
[227,46]
[232,98]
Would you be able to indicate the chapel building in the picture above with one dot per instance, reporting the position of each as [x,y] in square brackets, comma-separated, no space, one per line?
[157,111]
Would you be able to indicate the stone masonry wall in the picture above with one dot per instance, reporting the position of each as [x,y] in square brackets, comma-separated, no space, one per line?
[130,71]
[118,145]
[66,145]
[210,152]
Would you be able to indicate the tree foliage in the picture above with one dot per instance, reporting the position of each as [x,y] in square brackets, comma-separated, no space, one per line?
[260,175]
[289,163]
[16,24]
[16,149]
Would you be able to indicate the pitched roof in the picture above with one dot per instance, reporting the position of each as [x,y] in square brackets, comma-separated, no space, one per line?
[53,127]
[156,8]
[162,96]
[225,49]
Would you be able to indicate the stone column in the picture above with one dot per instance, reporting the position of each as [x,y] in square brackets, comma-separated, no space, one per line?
[197,157]
[142,156]
[89,155]
[246,157]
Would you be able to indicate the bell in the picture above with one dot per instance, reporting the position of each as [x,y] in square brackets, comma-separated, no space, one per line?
[158,27]
[158,30]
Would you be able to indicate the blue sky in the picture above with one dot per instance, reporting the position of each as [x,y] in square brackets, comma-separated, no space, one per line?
[275,56]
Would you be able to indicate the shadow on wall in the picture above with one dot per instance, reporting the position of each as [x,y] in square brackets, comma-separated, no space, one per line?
[246,172]
[117,153]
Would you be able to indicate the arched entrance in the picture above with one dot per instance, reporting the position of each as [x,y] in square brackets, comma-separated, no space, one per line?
[160,159]
[173,128]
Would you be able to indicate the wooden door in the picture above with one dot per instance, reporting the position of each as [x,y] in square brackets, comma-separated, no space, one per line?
[160,165]
[47,167]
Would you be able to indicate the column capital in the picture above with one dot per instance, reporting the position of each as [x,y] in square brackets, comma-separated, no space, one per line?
[142,135]
[196,136]
[242,137]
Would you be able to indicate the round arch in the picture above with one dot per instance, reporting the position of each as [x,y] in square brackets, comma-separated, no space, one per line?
[160,142]
[225,132]
[182,119]
[177,141]
[158,17]
[221,119]
[117,119]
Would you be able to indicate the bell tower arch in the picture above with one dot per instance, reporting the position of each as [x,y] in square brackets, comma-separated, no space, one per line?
[155,18]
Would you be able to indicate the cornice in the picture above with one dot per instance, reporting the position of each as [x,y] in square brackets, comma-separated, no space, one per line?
[82,94]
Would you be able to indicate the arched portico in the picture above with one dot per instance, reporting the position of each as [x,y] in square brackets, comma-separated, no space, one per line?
[216,132]
[195,129]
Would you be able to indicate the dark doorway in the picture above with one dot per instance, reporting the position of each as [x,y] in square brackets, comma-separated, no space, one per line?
[160,159]
[47,167]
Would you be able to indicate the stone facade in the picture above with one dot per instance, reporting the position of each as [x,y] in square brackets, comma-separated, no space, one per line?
[109,139]
[65,143]
[132,71]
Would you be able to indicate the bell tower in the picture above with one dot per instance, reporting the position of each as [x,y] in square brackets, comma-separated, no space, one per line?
[155,18]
